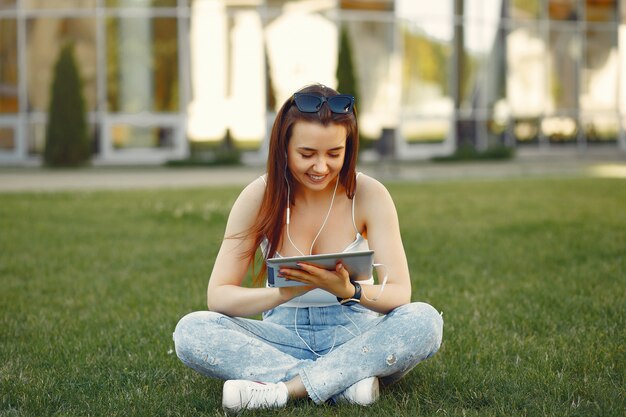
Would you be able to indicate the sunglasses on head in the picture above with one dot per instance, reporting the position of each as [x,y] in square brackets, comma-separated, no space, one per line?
[312,103]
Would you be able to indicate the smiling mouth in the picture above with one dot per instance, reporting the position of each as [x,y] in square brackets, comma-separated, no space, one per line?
[316,177]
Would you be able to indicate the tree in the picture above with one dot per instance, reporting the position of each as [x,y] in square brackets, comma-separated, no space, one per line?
[67,139]
[346,78]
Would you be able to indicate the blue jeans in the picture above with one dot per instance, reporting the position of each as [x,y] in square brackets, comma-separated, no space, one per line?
[345,345]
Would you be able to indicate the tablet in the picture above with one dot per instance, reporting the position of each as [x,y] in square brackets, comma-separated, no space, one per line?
[358,265]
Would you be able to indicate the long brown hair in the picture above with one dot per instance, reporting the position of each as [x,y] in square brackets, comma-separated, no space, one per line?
[271,216]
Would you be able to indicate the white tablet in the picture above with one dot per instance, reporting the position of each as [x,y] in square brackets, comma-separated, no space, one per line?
[358,265]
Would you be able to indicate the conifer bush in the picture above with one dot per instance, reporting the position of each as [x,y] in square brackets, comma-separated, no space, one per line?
[67,139]
[347,81]
[346,73]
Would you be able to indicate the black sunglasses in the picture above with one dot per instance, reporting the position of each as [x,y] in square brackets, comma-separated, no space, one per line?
[312,103]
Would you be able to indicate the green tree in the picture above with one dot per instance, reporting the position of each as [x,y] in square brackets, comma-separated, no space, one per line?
[346,78]
[67,139]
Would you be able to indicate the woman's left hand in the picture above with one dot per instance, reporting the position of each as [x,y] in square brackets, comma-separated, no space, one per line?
[336,282]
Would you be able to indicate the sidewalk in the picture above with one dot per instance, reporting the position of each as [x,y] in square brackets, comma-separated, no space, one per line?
[115,178]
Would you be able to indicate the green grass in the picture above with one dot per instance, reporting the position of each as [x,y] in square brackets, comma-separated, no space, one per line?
[530,276]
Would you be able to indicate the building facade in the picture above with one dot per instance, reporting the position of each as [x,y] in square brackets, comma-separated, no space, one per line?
[167,79]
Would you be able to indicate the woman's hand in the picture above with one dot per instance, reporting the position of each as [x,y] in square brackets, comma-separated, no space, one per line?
[336,282]
[287,293]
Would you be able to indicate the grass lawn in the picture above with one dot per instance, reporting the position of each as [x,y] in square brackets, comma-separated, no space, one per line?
[530,275]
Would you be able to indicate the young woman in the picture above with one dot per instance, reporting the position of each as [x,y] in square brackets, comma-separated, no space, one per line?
[331,338]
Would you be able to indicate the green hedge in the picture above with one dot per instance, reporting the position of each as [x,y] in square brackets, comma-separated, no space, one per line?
[67,139]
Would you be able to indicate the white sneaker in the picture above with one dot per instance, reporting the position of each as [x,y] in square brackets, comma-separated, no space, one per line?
[364,392]
[240,394]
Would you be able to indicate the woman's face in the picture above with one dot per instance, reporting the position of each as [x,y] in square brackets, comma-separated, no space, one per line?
[316,153]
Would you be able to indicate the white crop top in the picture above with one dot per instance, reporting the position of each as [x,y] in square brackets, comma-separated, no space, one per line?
[319,297]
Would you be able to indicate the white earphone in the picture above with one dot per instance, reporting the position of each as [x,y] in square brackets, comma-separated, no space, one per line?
[288,191]
[288,216]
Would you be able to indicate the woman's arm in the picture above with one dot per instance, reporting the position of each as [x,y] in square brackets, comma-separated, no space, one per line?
[383,235]
[225,293]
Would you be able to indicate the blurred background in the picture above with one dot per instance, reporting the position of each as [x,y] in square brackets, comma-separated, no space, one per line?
[167,80]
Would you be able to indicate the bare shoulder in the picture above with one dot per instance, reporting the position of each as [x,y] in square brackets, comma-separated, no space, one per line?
[375,208]
[373,198]
[247,205]
[253,192]
[369,190]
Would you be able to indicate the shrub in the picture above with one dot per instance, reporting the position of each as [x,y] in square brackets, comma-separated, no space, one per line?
[469,153]
[67,140]
[346,74]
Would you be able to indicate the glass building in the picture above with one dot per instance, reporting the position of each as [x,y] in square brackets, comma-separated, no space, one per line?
[163,79]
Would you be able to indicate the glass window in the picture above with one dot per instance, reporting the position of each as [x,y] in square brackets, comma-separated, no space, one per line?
[59,4]
[481,51]
[495,72]
[141,3]
[560,129]
[8,66]
[496,129]
[378,84]
[525,9]
[126,136]
[526,130]
[425,130]
[363,4]
[45,38]
[563,65]
[7,4]
[142,65]
[165,63]
[526,54]
[488,132]
[466,72]
[601,10]
[36,139]
[7,139]
[600,128]
[36,136]
[563,9]
[561,125]
[421,10]
[426,69]
[622,67]
[427,100]
[599,74]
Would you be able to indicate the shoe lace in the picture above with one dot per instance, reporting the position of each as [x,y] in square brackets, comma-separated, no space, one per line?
[261,393]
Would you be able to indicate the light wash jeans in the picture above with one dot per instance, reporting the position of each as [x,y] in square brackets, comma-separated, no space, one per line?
[350,344]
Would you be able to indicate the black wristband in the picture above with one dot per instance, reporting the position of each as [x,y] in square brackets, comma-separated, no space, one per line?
[356,298]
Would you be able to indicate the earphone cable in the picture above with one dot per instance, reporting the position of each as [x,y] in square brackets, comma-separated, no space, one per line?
[288,219]
[332,347]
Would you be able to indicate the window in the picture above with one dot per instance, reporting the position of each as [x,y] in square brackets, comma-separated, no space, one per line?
[142,65]
[427,102]
[57,4]
[9,99]
[7,4]
[44,40]
[141,3]
[127,136]
[563,9]
[525,9]
[7,139]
